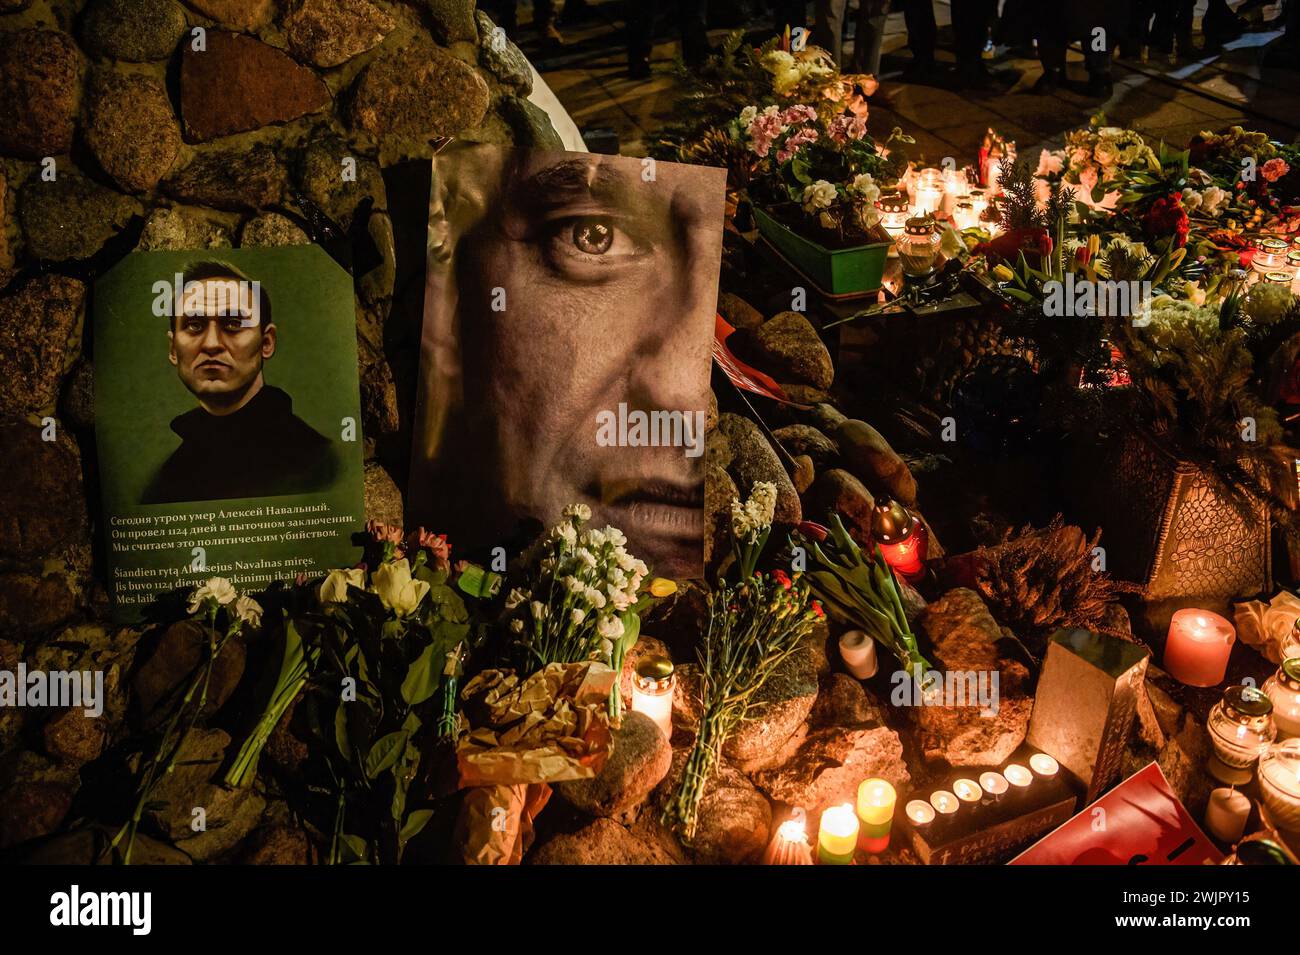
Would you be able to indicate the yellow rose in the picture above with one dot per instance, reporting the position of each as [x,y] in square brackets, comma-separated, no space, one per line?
[398,591]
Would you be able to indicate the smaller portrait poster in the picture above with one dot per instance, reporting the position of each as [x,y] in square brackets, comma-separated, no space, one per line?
[227,419]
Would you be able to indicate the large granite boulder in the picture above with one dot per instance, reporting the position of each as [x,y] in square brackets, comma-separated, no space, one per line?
[639,760]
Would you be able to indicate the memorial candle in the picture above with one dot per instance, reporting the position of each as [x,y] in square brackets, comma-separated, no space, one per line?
[859,654]
[995,785]
[876,798]
[1226,814]
[1279,784]
[944,802]
[652,691]
[838,836]
[1198,646]
[1283,689]
[1018,776]
[968,791]
[919,813]
[1044,765]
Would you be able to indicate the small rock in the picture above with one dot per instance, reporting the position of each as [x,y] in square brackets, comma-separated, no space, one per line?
[738,312]
[530,124]
[137,31]
[71,218]
[383,497]
[165,673]
[734,818]
[784,702]
[804,473]
[838,492]
[40,88]
[73,738]
[276,845]
[830,763]
[687,704]
[422,92]
[719,492]
[32,604]
[236,14]
[453,20]
[235,179]
[639,760]
[842,701]
[93,846]
[29,810]
[318,174]
[964,635]
[805,439]
[283,747]
[788,348]
[753,460]
[331,32]
[379,398]
[37,322]
[131,129]
[602,842]
[194,783]
[271,229]
[180,229]
[498,54]
[268,87]
[865,453]
[40,475]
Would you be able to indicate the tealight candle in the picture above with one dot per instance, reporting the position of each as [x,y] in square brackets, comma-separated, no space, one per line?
[968,790]
[919,813]
[1226,814]
[1043,765]
[838,836]
[790,845]
[1018,776]
[944,802]
[1198,646]
[1279,784]
[995,784]
[876,799]
[859,654]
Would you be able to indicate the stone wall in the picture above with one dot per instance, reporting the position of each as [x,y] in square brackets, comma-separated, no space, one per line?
[152,124]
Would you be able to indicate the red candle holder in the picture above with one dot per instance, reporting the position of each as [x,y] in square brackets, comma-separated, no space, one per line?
[903,539]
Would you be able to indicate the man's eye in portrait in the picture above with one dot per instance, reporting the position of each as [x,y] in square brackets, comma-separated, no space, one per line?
[579,246]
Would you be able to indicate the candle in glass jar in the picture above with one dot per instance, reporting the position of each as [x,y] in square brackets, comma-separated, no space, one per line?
[652,691]
[1198,646]
[1270,252]
[928,200]
[1279,784]
[859,654]
[838,836]
[1283,689]
[1226,814]
[876,799]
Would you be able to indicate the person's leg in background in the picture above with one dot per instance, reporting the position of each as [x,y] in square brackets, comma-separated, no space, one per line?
[544,24]
[970,27]
[640,37]
[691,17]
[828,27]
[1220,24]
[1049,30]
[918,15]
[872,15]
[1097,38]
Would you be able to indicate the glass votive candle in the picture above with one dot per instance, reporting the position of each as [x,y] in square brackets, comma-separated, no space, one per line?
[1018,777]
[1291,645]
[838,836]
[876,799]
[955,183]
[979,198]
[1241,729]
[964,215]
[1270,252]
[892,206]
[1044,766]
[968,791]
[918,247]
[1283,691]
[1279,784]
[1278,277]
[652,691]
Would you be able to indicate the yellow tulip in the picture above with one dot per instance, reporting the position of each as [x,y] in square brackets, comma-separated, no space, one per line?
[662,587]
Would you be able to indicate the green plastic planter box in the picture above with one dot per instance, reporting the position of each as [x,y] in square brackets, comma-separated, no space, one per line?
[850,271]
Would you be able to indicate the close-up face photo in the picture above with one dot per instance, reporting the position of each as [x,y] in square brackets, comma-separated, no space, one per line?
[218,341]
[585,294]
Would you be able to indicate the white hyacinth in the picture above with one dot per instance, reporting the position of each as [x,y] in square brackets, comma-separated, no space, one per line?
[752,518]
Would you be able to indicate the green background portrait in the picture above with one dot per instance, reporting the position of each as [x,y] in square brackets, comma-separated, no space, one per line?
[138,393]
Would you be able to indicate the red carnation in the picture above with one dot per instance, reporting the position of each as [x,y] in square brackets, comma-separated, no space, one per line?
[1167,217]
[1009,244]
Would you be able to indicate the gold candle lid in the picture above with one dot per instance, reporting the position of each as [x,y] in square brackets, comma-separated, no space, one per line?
[654,667]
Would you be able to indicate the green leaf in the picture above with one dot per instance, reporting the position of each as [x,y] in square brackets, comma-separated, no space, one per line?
[422,676]
[355,849]
[414,824]
[385,752]
[341,731]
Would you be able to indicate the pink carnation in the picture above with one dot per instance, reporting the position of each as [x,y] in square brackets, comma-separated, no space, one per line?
[764,129]
[1274,169]
[843,128]
[798,114]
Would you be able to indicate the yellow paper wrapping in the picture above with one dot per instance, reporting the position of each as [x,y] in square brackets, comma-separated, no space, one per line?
[495,825]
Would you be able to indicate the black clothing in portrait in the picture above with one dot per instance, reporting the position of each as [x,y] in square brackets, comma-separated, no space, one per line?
[261,450]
